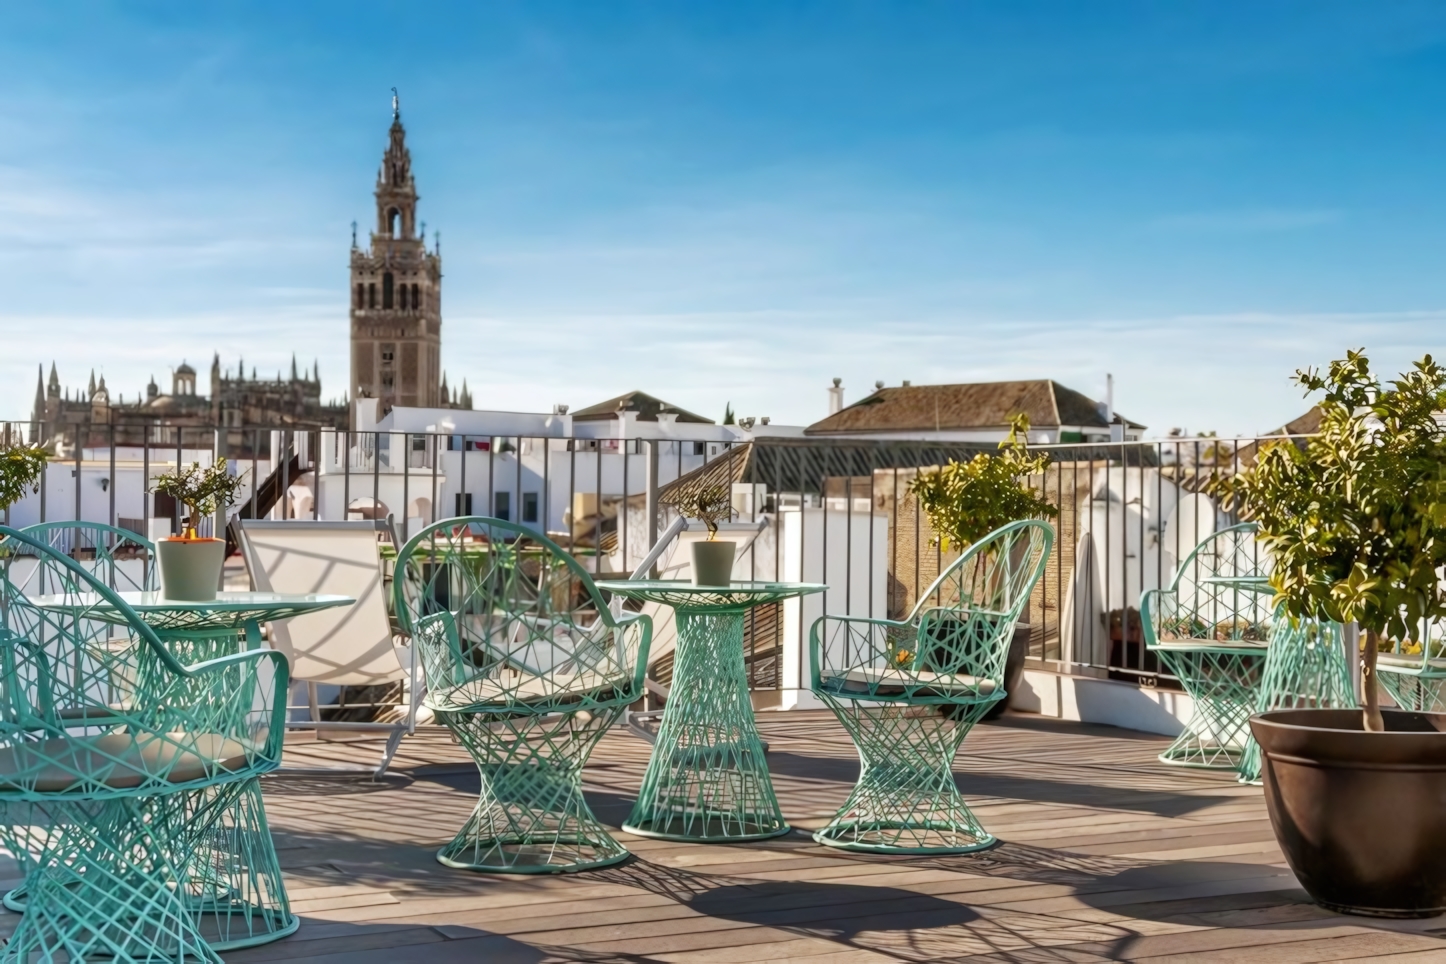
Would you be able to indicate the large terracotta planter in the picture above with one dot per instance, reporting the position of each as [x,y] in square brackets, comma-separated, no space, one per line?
[191,568]
[1361,816]
[713,563]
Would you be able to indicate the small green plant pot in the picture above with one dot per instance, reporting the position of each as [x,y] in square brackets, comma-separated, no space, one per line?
[713,563]
[191,568]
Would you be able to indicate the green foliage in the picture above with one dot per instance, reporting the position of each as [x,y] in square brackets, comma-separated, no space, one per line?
[710,503]
[728,417]
[20,469]
[965,501]
[201,490]
[1356,516]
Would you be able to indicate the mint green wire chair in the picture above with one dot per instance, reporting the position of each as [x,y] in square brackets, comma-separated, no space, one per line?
[106,744]
[1413,671]
[1212,636]
[119,558]
[123,560]
[528,667]
[908,692]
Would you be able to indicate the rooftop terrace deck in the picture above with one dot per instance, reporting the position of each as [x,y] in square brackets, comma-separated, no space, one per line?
[1107,856]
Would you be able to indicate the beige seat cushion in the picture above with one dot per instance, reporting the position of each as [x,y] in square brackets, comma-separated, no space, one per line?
[118,760]
[895,682]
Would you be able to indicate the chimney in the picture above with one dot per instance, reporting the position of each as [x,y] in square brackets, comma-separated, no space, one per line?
[835,397]
[1109,398]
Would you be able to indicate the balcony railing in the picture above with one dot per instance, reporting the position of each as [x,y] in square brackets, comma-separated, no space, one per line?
[838,511]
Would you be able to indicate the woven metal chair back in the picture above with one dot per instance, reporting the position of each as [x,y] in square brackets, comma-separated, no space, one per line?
[505,618]
[119,558]
[954,645]
[94,706]
[1201,605]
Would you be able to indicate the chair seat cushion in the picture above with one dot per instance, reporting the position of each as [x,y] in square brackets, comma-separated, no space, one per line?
[118,761]
[527,691]
[889,681]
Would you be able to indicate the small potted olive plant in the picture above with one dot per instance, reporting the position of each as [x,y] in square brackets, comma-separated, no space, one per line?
[713,558]
[1355,517]
[965,501]
[20,469]
[191,564]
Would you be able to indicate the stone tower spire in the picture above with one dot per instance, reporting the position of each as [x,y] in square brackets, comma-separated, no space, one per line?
[396,293]
[37,413]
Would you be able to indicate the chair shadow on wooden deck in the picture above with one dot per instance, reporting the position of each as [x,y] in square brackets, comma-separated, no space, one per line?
[362,943]
[977,783]
[905,925]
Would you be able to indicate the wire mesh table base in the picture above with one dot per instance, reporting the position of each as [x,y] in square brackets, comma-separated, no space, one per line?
[1222,683]
[906,801]
[531,817]
[708,779]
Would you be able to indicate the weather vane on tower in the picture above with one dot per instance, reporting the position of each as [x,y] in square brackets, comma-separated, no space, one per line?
[396,105]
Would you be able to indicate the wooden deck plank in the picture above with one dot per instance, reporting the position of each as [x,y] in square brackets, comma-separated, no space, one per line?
[1108,855]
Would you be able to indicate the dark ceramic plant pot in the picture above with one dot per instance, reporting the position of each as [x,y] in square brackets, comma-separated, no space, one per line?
[713,563]
[191,568]
[1361,816]
[1013,669]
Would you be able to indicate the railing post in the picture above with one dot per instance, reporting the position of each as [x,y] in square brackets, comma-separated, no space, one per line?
[651,501]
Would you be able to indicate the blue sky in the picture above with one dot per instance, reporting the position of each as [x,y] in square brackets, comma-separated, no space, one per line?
[736,202]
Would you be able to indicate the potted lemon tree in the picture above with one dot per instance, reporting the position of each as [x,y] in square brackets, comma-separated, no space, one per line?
[191,563]
[1355,517]
[713,558]
[965,501]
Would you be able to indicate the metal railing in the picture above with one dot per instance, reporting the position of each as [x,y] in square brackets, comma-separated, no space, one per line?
[839,511]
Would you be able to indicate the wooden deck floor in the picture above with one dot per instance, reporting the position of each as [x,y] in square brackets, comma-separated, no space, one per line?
[1107,856]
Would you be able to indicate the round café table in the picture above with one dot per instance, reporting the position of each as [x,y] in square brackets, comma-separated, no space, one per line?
[1305,666]
[707,780]
[235,888]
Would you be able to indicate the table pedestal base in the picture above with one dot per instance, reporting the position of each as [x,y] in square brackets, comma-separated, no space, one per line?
[707,780]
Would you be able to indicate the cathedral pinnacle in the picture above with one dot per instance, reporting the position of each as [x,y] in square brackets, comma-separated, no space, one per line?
[396,106]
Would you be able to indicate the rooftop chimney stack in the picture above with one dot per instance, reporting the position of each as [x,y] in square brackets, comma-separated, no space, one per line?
[835,397]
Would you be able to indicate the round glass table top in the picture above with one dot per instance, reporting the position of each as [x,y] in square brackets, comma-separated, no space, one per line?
[682,594]
[228,609]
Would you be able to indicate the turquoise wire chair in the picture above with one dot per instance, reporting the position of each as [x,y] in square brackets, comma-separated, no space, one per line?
[123,560]
[528,667]
[119,558]
[908,692]
[1212,636]
[105,742]
[1413,671]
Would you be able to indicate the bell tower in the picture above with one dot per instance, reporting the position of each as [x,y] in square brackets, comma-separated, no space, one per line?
[396,293]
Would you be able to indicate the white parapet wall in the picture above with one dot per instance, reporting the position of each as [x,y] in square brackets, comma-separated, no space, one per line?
[1113,703]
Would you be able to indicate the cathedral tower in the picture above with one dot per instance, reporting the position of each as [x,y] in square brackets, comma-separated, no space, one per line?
[396,294]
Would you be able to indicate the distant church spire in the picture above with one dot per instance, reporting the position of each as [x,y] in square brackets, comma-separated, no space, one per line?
[395,292]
